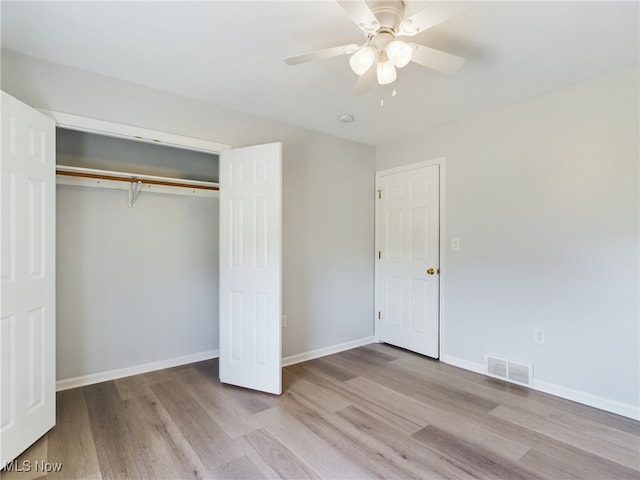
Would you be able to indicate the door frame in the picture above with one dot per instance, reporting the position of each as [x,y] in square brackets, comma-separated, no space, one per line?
[440,161]
[130,132]
[106,128]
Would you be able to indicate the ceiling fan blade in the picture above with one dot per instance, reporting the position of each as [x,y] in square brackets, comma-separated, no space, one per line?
[322,54]
[365,81]
[436,59]
[360,13]
[431,16]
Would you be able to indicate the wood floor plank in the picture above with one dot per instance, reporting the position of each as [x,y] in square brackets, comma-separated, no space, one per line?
[588,465]
[207,439]
[426,364]
[424,414]
[372,412]
[113,435]
[539,404]
[241,469]
[376,447]
[411,409]
[316,452]
[71,440]
[135,438]
[378,458]
[414,386]
[368,355]
[590,428]
[324,399]
[551,467]
[478,462]
[410,453]
[593,444]
[558,404]
[326,369]
[213,397]
[138,385]
[250,401]
[279,457]
[370,405]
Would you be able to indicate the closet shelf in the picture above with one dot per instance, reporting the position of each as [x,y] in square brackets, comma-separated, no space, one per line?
[90,177]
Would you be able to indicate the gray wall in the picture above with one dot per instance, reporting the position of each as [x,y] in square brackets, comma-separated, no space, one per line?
[544,197]
[328,186]
[134,285]
[81,149]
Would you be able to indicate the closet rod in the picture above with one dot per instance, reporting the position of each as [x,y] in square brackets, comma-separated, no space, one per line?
[152,181]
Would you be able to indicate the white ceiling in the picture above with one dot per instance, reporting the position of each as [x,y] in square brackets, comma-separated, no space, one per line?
[231,53]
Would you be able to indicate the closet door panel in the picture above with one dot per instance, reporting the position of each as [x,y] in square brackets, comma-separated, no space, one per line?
[250,267]
[27,330]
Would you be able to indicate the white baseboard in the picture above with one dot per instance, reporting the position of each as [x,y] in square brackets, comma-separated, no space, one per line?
[607,404]
[613,406]
[84,380]
[322,352]
[462,363]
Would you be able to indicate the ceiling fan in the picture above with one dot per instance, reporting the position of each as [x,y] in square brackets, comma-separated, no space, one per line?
[384,24]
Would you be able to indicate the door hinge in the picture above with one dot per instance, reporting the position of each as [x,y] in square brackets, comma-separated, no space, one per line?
[379,316]
[379,254]
[379,194]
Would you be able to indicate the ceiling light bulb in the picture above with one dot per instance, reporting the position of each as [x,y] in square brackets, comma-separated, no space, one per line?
[386,72]
[362,60]
[399,53]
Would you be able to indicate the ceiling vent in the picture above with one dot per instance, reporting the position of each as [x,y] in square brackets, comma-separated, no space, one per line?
[508,370]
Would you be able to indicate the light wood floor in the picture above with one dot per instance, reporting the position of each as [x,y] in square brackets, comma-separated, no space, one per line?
[371,412]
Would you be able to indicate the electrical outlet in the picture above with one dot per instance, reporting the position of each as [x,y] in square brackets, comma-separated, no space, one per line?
[538,335]
[455,244]
[284,321]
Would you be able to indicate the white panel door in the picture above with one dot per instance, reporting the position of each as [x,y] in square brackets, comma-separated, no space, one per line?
[27,335]
[408,259]
[250,267]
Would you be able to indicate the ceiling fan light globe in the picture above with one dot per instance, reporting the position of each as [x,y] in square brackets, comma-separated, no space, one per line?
[399,53]
[386,72]
[362,60]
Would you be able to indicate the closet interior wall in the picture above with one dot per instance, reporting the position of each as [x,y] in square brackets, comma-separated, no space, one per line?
[135,285]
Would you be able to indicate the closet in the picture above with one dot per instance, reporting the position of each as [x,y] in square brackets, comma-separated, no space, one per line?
[137,257]
[137,282]
[144,262]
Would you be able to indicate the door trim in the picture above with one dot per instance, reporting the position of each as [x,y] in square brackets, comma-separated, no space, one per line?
[440,161]
[130,132]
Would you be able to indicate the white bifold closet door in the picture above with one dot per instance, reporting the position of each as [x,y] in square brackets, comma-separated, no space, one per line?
[250,267]
[27,334]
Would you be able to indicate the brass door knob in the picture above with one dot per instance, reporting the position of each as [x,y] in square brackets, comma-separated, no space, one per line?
[433,271]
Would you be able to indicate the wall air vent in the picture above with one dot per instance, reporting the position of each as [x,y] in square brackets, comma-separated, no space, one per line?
[508,370]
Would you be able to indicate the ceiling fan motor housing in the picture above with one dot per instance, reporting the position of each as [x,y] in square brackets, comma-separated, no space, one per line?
[389,13]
